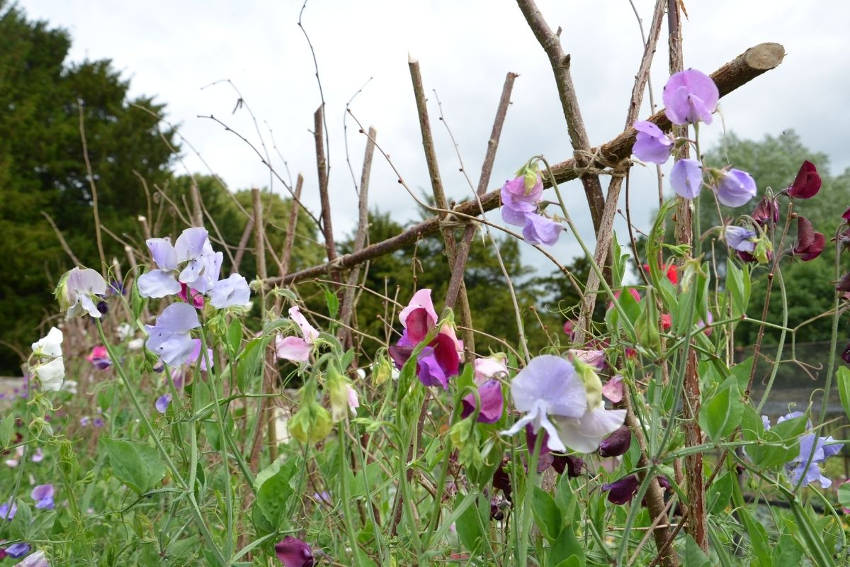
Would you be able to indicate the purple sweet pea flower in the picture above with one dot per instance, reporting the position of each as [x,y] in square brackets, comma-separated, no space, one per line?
[492,402]
[686,178]
[623,490]
[200,269]
[8,511]
[162,403]
[807,183]
[169,338]
[18,550]
[293,552]
[811,446]
[230,292]
[43,496]
[518,199]
[548,385]
[689,97]
[736,188]
[573,464]
[541,230]
[36,559]
[617,443]
[652,144]
[740,239]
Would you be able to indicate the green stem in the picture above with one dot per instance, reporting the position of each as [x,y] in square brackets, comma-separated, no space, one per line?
[781,344]
[525,517]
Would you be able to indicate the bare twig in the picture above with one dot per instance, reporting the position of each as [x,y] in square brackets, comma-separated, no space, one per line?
[93,187]
[560,62]
[322,165]
[62,241]
[747,66]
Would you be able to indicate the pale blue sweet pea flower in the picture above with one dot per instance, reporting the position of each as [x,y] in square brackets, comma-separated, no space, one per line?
[170,338]
[686,178]
[230,292]
[736,188]
[740,239]
[200,264]
[43,496]
[651,144]
[690,96]
[541,230]
[76,291]
[162,403]
[548,385]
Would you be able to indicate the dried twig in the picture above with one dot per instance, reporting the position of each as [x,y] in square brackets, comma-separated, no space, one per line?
[93,187]
[322,166]
[62,240]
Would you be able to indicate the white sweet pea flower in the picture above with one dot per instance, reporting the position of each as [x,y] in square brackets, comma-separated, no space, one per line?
[48,366]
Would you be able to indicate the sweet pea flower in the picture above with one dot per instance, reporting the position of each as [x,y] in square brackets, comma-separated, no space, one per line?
[162,403]
[231,292]
[686,178]
[490,367]
[690,96]
[18,550]
[296,349]
[809,243]
[541,230]
[520,196]
[440,359]
[99,357]
[613,389]
[617,443]
[293,552]
[37,559]
[735,188]
[811,446]
[200,265]
[43,496]
[191,296]
[548,385]
[77,290]
[49,367]
[807,183]
[623,490]
[170,338]
[8,511]
[584,433]
[570,463]
[492,402]
[670,270]
[740,239]
[767,211]
[652,144]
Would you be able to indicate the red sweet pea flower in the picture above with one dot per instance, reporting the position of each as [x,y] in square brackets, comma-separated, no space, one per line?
[809,243]
[807,183]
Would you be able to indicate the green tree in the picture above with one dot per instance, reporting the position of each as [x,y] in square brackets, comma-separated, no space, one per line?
[42,167]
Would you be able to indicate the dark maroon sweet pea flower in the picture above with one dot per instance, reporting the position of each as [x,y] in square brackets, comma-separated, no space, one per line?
[293,552]
[502,480]
[622,491]
[492,402]
[570,463]
[809,243]
[845,355]
[767,211]
[807,183]
[844,283]
[617,443]
[846,216]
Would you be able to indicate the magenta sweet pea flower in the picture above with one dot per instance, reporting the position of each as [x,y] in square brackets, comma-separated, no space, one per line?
[99,357]
[736,188]
[170,338]
[689,97]
[740,239]
[572,464]
[440,359]
[43,496]
[652,144]
[686,178]
[807,183]
[492,402]
[293,552]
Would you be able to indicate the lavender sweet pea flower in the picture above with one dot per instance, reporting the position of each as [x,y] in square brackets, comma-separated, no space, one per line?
[43,496]
[652,144]
[18,550]
[36,559]
[541,230]
[8,511]
[689,97]
[492,402]
[740,239]
[686,178]
[170,338]
[293,552]
[547,386]
[192,248]
[518,198]
[233,291]
[162,403]
[736,188]
[76,291]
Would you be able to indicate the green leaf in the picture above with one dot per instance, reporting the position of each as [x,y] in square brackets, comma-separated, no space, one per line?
[250,363]
[469,523]
[844,495]
[758,538]
[843,377]
[7,429]
[567,551]
[720,415]
[234,335]
[332,301]
[738,286]
[136,465]
[273,496]
[546,514]
[694,556]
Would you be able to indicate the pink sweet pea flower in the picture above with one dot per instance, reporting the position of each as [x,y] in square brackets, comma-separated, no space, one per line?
[296,349]
[99,357]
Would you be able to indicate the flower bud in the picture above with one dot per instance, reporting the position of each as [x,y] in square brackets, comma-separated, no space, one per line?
[617,443]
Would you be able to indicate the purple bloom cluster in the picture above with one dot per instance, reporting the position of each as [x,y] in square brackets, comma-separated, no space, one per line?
[520,197]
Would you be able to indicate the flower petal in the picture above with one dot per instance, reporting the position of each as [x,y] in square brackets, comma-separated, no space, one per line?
[157,283]
[163,253]
[295,349]
[584,435]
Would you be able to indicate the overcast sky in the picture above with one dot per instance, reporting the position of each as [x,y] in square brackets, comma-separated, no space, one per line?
[173,49]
